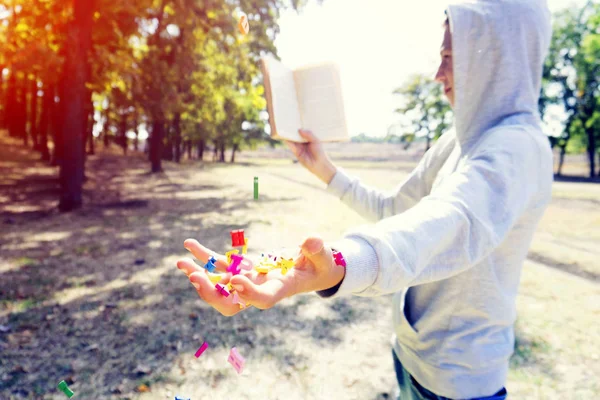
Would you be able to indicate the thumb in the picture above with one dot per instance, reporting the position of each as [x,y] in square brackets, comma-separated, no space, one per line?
[314,249]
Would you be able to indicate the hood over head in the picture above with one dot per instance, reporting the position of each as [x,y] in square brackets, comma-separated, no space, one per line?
[499,48]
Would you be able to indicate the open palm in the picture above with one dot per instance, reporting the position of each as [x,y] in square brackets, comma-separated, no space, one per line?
[257,289]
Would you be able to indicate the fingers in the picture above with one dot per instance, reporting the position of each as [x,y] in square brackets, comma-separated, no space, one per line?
[207,291]
[292,146]
[308,135]
[262,296]
[203,254]
[188,266]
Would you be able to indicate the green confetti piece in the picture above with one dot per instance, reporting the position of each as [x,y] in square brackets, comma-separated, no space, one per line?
[65,389]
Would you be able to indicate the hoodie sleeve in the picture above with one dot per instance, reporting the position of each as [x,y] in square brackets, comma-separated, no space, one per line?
[464,218]
[375,205]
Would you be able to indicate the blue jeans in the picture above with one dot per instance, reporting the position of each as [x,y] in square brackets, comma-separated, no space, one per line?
[410,389]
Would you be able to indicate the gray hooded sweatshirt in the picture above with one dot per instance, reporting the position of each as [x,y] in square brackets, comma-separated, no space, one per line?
[451,239]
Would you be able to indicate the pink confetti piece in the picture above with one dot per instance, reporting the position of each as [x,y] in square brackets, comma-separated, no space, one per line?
[236,300]
[201,349]
[236,360]
[234,268]
[222,290]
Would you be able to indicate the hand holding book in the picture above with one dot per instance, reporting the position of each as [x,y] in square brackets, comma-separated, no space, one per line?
[312,156]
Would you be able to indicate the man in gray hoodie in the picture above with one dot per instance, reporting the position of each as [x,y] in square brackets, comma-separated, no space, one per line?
[450,241]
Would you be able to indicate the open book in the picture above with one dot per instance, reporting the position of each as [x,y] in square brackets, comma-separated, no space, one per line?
[308,98]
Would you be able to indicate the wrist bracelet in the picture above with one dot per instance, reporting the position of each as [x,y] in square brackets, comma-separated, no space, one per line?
[339,258]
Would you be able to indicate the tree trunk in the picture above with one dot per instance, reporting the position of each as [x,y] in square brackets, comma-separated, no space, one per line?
[177,141]
[57,118]
[11,100]
[201,144]
[591,150]
[561,159]
[45,123]
[33,106]
[22,110]
[11,104]
[156,144]
[90,133]
[46,112]
[235,147]
[222,151]
[4,101]
[428,142]
[105,137]
[188,145]
[88,112]
[136,141]
[74,79]
[123,133]
[167,153]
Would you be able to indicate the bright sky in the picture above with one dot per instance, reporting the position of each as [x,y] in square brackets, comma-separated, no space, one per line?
[378,44]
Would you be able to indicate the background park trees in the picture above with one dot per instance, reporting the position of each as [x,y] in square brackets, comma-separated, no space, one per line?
[179,69]
[76,74]
[571,80]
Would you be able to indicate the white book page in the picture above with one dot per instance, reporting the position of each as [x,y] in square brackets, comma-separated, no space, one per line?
[284,115]
[321,102]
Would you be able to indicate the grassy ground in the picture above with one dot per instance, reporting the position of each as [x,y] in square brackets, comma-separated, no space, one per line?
[94,297]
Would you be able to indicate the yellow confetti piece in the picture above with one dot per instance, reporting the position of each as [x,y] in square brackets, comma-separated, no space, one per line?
[245,248]
[285,265]
[229,253]
[262,269]
[215,278]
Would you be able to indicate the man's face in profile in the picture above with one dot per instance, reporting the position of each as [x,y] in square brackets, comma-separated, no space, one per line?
[445,73]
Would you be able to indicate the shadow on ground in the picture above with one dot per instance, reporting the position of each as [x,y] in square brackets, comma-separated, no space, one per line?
[93,297]
[576,179]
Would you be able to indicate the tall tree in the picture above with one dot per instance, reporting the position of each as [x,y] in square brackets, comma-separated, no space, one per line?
[33,108]
[74,99]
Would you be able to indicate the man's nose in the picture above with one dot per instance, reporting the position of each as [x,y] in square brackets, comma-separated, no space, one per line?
[439,76]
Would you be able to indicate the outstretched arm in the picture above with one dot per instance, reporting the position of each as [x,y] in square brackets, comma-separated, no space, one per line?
[374,204]
[450,230]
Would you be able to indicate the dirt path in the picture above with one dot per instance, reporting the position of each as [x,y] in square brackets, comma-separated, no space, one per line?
[94,297]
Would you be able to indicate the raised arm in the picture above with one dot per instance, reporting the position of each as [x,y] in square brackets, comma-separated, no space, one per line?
[371,203]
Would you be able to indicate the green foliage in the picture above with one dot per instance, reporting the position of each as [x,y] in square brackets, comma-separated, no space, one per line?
[573,66]
[158,60]
[364,138]
[425,111]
